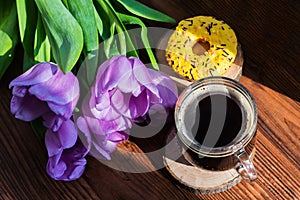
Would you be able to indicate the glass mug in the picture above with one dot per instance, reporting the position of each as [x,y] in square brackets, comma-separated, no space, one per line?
[216,120]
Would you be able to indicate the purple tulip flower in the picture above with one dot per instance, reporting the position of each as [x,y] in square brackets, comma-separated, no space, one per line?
[123,92]
[99,143]
[66,153]
[44,91]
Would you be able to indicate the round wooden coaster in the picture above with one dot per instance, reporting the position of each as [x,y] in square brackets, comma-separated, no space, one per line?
[194,178]
[234,72]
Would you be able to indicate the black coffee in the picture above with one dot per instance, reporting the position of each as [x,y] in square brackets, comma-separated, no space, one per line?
[218,121]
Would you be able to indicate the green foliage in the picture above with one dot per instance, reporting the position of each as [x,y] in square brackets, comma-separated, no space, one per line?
[141,10]
[8,33]
[42,48]
[27,18]
[127,19]
[66,31]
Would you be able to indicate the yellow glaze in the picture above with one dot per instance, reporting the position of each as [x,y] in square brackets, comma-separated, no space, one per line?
[215,61]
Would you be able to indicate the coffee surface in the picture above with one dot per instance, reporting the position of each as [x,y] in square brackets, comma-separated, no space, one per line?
[218,121]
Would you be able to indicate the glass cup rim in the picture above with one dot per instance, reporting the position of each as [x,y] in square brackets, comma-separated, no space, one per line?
[224,150]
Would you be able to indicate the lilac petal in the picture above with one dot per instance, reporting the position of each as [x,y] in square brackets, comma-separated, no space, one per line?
[142,76]
[67,134]
[96,142]
[69,163]
[115,68]
[123,123]
[103,152]
[57,170]
[166,86]
[102,101]
[75,161]
[168,96]
[159,78]
[94,125]
[139,105]
[117,136]
[128,83]
[101,70]
[153,98]
[78,170]
[63,110]
[27,108]
[52,143]
[86,106]
[60,89]
[39,73]
[120,102]
[108,126]
[110,147]
[19,91]
[64,138]
[52,121]
[119,124]
[86,136]
[140,71]
[112,114]
[92,108]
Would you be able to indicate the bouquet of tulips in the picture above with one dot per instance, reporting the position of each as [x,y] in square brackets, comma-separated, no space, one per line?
[59,37]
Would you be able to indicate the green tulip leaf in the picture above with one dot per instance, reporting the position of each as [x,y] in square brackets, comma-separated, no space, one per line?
[126,19]
[83,11]
[144,11]
[110,44]
[99,22]
[42,48]
[64,33]
[27,18]
[108,14]
[8,33]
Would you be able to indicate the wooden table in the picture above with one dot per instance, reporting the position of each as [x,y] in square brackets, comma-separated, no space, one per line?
[269,34]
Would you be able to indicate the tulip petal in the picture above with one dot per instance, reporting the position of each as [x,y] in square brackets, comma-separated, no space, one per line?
[115,68]
[102,101]
[78,170]
[39,73]
[55,171]
[52,143]
[167,88]
[99,152]
[86,136]
[117,136]
[120,102]
[19,91]
[60,89]
[139,105]
[52,121]
[27,108]
[142,76]
[67,134]
[62,110]
[128,83]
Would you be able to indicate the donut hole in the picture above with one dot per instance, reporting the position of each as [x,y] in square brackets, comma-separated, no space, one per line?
[200,47]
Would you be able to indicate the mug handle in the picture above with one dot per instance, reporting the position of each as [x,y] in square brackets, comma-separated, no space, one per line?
[245,166]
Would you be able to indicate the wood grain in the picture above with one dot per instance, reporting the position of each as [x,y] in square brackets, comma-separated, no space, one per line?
[23,159]
[269,34]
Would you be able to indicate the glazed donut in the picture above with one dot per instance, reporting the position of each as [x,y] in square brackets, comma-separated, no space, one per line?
[215,61]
